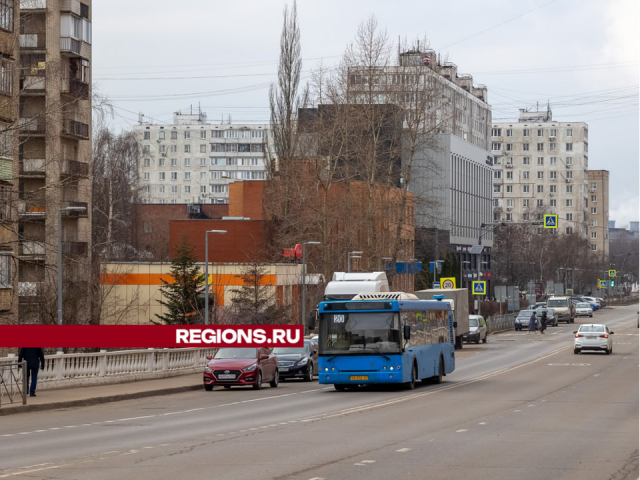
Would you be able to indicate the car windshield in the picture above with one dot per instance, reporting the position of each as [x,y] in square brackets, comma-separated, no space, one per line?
[473,322]
[583,305]
[557,303]
[591,328]
[228,353]
[525,313]
[291,350]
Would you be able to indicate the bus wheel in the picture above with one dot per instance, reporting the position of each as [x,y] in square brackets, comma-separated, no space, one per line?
[438,378]
[411,384]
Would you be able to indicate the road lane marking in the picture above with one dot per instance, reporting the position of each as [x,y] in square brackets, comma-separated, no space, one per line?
[462,430]
[403,450]
[482,423]
[367,461]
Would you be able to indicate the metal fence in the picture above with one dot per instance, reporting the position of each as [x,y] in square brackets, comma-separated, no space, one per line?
[79,369]
[13,382]
[500,323]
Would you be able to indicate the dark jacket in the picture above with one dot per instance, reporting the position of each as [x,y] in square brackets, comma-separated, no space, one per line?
[543,320]
[33,356]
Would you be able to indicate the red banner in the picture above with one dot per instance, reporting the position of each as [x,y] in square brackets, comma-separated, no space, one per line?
[150,336]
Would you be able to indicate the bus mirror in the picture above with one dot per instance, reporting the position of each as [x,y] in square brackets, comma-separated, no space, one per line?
[407,332]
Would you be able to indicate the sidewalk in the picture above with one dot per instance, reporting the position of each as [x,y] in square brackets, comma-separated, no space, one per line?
[84,396]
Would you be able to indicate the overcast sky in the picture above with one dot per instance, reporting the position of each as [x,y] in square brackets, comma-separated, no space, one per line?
[161,56]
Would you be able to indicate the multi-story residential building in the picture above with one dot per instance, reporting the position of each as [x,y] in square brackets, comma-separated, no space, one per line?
[192,161]
[9,87]
[451,170]
[540,167]
[54,152]
[598,212]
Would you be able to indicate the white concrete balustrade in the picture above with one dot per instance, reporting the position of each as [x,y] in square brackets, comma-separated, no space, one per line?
[83,369]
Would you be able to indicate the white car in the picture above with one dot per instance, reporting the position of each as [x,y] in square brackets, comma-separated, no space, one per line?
[593,337]
[477,329]
[584,310]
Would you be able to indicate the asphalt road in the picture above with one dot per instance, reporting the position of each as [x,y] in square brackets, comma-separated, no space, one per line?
[523,406]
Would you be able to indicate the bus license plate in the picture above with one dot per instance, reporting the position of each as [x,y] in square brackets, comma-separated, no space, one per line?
[359,377]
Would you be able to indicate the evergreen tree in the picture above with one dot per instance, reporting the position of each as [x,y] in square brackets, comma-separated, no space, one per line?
[253,302]
[181,297]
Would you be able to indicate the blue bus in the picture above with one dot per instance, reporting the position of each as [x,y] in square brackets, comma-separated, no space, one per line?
[384,338]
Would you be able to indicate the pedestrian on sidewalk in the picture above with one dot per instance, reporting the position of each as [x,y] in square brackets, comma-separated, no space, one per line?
[543,322]
[533,322]
[35,359]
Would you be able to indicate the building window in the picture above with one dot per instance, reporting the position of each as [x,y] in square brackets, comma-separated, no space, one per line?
[257,175]
[146,176]
[203,134]
[509,188]
[187,162]
[525,217]
[594,234]
[146,135]
[146,149]
[553,161]
[203,189]
[219,188]
[525,175]
[162,148]
[552,132]
[525,147]
[525,160]
[525,202]
[569,230]
[510,203]
[147,162]
[187,189]
[203,162]
[255,162]
[540,147]
[146,189]
[231,161]
[161,135]
[217,134]
[174,149]
[569,132]
[508,147]
[187,176]
[203,175]
[187,149]
[509,175]
[594,210]
[509,132]
[232,134]
[257,134]
[552,203]
[569,202]
[174,189]
[553,146]
[161,176]
[174,175]
[174,135]
[540,132]
[257,147]
[569,147]
[161,162]
[496,217]
[174,162]
[215,175]
[161,189]
[594,247]
[569,189]
[540,202]
[496,146]
[540,175]
[496,132]
[525,189]
[497,174]
[540,188]
[6,15]
[553,174]
[509,217]
[569,217]
[594,198]
[552,188]
[525,132]
[594,186]
[187,134]
[540,160]
[594,223]
[569,174]
[569,161]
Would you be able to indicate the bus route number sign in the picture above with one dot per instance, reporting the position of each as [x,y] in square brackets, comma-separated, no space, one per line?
[338,319]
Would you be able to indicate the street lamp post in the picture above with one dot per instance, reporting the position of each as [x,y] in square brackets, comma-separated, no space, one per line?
[463,262]
[66,209]
[304,280]
[206,272]
[351,255]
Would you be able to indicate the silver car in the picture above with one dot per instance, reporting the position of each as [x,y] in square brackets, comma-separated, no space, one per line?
[593,337]
[584,310]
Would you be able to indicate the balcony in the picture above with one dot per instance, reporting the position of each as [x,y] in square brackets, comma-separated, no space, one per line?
[33,41]
[33,208]
[75,129]
[33,85]
[71,47]
[33,127]
[32,167]
[75,88]
[75,213]
[33,4]
[30,292]
[75,248]
[73,168]
[32,248]
[72,6]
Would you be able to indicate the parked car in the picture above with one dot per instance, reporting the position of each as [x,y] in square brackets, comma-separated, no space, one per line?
[477,329]
[522,319]
[241,367]
[539,304]
[595,304]
[552,317]
[300,362]
[593,337]
[584,310]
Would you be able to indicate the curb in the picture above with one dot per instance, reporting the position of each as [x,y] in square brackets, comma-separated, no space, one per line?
[86,402]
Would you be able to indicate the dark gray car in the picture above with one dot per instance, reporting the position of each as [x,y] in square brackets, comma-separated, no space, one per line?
[298,362]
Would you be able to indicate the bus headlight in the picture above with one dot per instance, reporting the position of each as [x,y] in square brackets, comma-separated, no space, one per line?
[398,367]
[390,368]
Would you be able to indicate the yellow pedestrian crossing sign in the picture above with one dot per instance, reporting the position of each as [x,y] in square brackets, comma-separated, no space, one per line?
[479,288]
[612,273]
[551,221]
[603,283]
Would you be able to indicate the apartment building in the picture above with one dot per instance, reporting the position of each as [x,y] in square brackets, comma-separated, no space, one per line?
[54,189]
[598,212]
[540,167]
[192,161]
[9,86]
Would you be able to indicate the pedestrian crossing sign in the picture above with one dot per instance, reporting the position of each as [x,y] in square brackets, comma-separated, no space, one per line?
[551,221]
[603,283]
[612,273]
[479,288]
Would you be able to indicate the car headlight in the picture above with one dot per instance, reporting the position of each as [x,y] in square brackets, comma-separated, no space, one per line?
[303,361]
[250,368]
[207,369]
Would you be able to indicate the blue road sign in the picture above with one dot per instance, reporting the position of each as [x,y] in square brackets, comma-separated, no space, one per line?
[551,221]
[479,288]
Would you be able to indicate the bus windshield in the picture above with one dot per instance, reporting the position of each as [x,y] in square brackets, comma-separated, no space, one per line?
[358,333]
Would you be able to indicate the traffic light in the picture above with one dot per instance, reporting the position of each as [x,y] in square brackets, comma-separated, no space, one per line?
[613,283]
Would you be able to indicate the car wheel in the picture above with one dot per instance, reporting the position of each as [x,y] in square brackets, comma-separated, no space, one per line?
[274,383]
[208,388]
[576,351]
[590,316]
[227,387]
[338,387]
[258,384]
[309,376]
[484,340]
[478,340]
[411,384]
[607,351]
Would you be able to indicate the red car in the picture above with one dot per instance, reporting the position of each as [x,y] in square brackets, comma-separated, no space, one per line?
[241,366]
